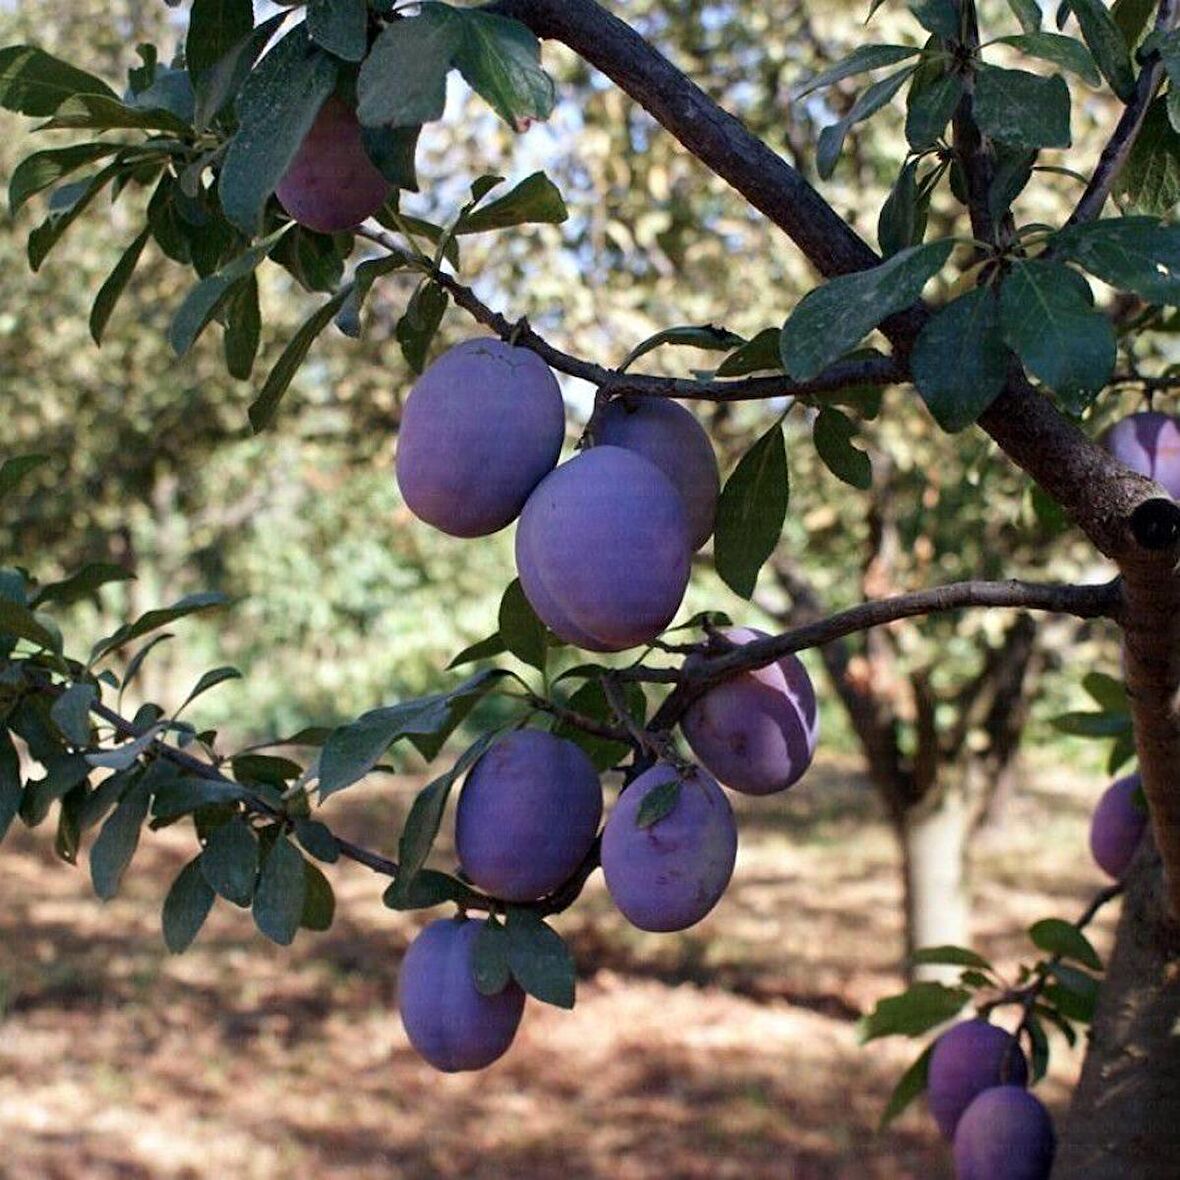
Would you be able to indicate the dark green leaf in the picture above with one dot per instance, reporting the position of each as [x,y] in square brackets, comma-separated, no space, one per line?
[67,839]
[500,60]
[416,329]
[153,620]
[707,336]
[751,512]
[1061,51]
[262,409]
[340,26]
[116,282]
[1013,171]
[317,840]
[1022,109]
[539,959]
[1040,1047]
[348,319]
[20,622]
[10,782]
[1062,938]
[13,471]
[276,108]
[392,150]
[97,112]
[953,956]
[1107,44]
[403,82]
[71,712]
[180,796]
[490,961]
[833,433]
[1107,692]
[1048,319]
[1132,18]
[917,1010]
[316,261]
[536,200]
[759,355]
[522,632]
[117,842]
[279,897]
[215,27]
[186,907]
[590,701]
[659,802]
[1149,182]
[243,329]
[43,239]
[485,649]
[861,60]
[319,900]
[940,17]
[1075,995]
[1095,725]
[427,889]
[63,772]
[222,81]
[930,104]
[42,170]
[902,221]
[909,1086]
[230,861]
[1028,13]
[833,318]
[831,139]
[1137,254]
[33,82]
[1122,751]
[208,680]
[960,361]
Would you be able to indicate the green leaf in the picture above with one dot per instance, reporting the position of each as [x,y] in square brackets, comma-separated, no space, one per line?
[262,409]
[952,956]
[1094,725]
[416,329]
[539,959]
[1149,182]
[833,433]
[1059,937]
[1022,109]
[959,361]
[315,260]
[500,59]
[208,680]
[1107,692]
[917,1010]
[215,28]
[534,201]
[117,842]
[909,1086]
[11,790]
[931,102]
[831,139]
[392,151]
[761,354]
[1039,1043]
[186,907]
[20,622]
[97,112]
[940,17]
[42,170]
[659,802]
[751,512]
[230,861]
[243,329]
[279,897]
[485,649]
[202,303]
[590,701]
[221,81]
[707,336]
[317,840]
[63,773]
[1048,319]
[1106,42]
[834,318]
[33,82]
[79,198]
[403,81]
[116,282]
[71,713]
[1013,171]
[1028,13]
[13,471]
[523,634]
[185,794]
[428,888]
[425,817]
[862,60]
[1075,995]
[278,103]
[153,620]
[490,961]
[1062,51]
[1132,18]
[319,900]
[1137,254]
[340,26]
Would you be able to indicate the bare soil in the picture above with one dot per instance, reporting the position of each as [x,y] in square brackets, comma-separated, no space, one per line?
[727,1051]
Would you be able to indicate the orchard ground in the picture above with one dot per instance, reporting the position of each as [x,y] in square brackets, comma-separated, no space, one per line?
[725,1051]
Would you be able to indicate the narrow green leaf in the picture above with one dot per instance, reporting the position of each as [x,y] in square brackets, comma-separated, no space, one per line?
[214,28]
[1107,692]
[931,102]
[42,170]
[428,888]
[1149,182]
[1028,13]
[490,964]
[186,907]
[1106,42]
[47,235]
[862,60]
[117,841]
[940,17]
[11,790]
[522,633]
[1059,937]
[417,327]
[539,959]
[917,1010]
[222,81]
[833,433]
[952,956]
[761,354]
[706,336]
[153,620]
[243,329]
[910,1085]
[535,201]
[317,840]
[658,803]
[1040,1047]
[1062,51]
[115,284]
[831,139]
[1095,725]
[208,680]
[751,512]
[20,622]
[319,900]
[279,897]
[485,649]
[33,82]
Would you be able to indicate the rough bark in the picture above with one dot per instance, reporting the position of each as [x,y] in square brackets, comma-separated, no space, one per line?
[1124,1121]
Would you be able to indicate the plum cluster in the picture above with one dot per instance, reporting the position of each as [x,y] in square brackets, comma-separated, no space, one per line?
[604,544]
[976,1093]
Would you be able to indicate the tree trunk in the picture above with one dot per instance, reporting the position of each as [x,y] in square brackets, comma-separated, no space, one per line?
[1124,1121]
[933,838]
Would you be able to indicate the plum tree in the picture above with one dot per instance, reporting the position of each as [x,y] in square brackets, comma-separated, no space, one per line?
[479,430]
[603,550]
[667,875]
[1149,442]
[1117,825]
[756,732]
[527,815]
[331,184]
[1005,1134]
[670,437]
[449,1021]
[966,1060]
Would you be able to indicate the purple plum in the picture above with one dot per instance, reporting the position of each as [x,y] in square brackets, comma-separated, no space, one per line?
[527,815]
[756,731]
[1149,443]
[449,1022]
[672,438]
[481,427]
[671,874]
[966,1060]
[331,184]
[1117,826]
[603,550]
[1005,1134]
